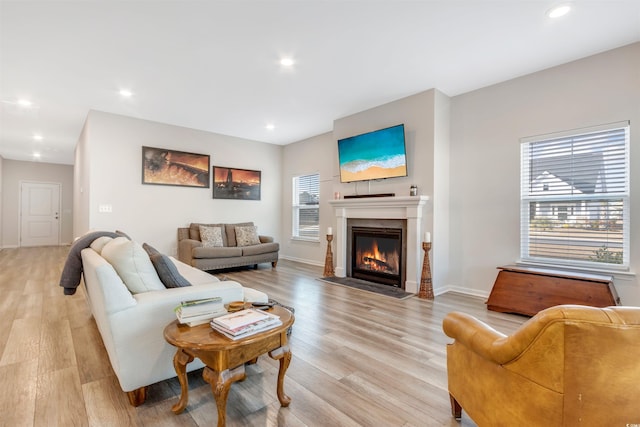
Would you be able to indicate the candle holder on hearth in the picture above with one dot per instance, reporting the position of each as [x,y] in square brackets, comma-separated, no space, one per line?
[426,287]
[328,260]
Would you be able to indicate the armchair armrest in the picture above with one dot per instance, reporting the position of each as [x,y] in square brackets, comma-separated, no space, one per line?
[479,337]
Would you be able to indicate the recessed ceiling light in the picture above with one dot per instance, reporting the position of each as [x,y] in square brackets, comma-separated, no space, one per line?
[24,103]
[287,62]
[126,93]
[38,137]
[558,11]
[36,155]
[270,126]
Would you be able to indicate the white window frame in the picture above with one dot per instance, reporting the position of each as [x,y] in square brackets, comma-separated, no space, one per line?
[312,232]
[562,231]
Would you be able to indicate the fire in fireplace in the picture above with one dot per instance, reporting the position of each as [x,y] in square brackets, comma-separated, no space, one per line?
[377,255]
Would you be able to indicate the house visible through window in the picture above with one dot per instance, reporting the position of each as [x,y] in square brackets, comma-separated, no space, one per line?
[306,209]
[575,197]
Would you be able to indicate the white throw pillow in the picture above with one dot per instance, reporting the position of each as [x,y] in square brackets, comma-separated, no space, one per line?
[133,265]
[247,236]
[211,237]
[99,243]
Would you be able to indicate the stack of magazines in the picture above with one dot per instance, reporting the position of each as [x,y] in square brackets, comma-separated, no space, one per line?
[199,311]
[244,323]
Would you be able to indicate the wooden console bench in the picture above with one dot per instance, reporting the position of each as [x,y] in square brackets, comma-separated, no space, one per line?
[528,290]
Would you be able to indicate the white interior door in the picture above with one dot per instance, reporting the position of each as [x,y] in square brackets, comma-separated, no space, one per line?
[39,214]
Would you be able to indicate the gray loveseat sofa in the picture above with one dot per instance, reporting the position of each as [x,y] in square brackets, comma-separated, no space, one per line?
[227,250]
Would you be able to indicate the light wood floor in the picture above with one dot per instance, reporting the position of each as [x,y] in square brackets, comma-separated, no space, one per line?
[359,359]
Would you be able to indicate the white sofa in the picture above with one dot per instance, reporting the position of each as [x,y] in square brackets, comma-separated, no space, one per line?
[132,325]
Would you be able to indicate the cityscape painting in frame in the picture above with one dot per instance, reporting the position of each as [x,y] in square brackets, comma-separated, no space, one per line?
[238,184]
[170,167]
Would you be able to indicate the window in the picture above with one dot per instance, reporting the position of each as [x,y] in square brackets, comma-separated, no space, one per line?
[306,210]
[575,197]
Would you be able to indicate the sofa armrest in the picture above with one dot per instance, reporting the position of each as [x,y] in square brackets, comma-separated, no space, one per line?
[265,239]
[185,250]
[183,233]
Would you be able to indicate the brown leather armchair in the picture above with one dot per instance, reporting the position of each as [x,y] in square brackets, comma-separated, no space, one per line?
[568,365]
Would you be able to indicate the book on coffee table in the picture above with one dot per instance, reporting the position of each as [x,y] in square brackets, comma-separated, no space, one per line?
[245,323]
[197,312]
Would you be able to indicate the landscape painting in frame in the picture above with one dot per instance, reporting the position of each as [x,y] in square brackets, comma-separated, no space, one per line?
[238,184]
[170,167]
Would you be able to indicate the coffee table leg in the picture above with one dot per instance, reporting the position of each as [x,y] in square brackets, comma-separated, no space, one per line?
[283,354]
[180,361]
[220,386]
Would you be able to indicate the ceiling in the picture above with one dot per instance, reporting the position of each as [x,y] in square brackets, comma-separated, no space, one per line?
[214,65]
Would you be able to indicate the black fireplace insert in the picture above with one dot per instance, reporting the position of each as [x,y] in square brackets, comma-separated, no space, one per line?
[377,255]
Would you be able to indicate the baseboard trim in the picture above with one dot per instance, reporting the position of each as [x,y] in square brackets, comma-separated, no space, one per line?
[302,260]
[460,290]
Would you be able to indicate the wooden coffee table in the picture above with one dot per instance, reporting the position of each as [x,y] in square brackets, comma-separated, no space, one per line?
[225,358]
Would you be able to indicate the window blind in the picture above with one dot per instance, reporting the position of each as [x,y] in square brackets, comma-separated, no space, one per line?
[575,197]
[306,209]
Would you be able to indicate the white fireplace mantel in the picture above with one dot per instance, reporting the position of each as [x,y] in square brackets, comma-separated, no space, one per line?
[410,208]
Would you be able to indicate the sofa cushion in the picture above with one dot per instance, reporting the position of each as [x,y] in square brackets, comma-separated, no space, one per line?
[247,236]
[99,243]
[231,232]
[133,265]
[194,231]
[203,252]
[262,248]
[211,237]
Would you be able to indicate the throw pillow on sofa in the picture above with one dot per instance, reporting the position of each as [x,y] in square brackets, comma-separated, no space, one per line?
[99,244]
[166,269]
[133,265]
[211,237]
[247,236]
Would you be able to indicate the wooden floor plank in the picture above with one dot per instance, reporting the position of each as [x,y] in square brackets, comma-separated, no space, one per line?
[18,389]
[23,343]
[59,401]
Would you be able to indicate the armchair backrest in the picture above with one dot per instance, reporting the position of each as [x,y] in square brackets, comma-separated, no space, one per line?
[573,349]
[602,365]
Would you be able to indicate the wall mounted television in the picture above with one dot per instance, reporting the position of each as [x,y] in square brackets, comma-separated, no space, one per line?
[373,155]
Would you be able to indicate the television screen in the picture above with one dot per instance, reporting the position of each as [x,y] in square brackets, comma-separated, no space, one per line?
[374,155]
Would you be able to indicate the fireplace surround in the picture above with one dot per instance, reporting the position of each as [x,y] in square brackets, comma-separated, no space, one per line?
[410,209]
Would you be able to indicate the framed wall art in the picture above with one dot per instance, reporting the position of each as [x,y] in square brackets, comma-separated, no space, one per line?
[238,184]
[171,167]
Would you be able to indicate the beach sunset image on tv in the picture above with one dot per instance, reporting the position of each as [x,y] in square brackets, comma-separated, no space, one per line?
[374,155]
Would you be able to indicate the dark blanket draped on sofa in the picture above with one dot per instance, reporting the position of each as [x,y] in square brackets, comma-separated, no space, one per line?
[72,271]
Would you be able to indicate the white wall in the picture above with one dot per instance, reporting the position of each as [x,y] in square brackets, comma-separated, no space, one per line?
[486,126]
[111,148]
[1,202]
[314,155]
[81,183]
[426,119]
[13,173]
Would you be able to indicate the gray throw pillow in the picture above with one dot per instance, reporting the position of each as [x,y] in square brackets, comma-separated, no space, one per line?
[168,272]
[150,249]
